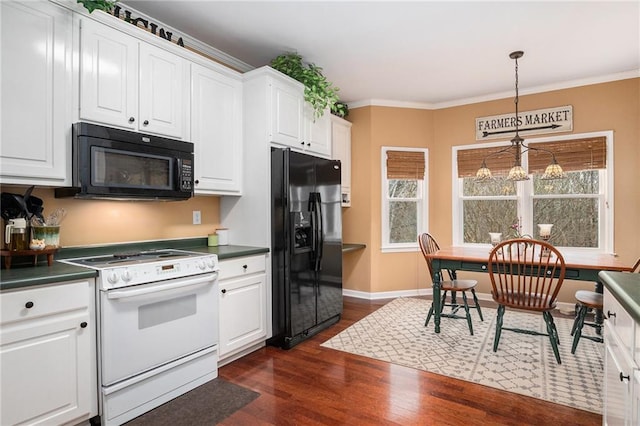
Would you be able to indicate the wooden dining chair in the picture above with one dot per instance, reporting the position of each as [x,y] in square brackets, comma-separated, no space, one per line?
[587,301]
[523,279]
[429,245]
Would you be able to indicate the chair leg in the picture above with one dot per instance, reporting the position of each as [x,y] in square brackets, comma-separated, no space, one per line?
[466,311]
[577,326]
[475,301]
[499,318]
[575,320]
[553,334]
[443,301]
[429,315]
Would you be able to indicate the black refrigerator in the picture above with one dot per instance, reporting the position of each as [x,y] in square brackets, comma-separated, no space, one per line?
[306,244]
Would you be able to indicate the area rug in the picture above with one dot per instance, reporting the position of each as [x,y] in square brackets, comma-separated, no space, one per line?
[523,364]
[207,404]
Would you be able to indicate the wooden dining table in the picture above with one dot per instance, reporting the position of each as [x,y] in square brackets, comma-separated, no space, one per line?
[579,266]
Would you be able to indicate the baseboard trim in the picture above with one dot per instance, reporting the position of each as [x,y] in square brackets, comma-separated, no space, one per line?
[563,307]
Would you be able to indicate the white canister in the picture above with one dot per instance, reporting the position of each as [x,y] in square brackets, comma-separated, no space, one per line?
[223,236]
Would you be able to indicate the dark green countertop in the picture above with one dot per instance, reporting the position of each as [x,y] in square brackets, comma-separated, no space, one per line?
[349,247]
[625,287]
[26,275]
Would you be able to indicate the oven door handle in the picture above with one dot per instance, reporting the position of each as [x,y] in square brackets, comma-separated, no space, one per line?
[155,288]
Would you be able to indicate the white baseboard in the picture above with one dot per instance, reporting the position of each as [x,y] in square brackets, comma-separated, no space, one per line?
[386,294]
[563,307]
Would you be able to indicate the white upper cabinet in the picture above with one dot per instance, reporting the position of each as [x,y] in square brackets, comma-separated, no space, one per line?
[36,43]
[290,121]
[109,76]
[216,131]
[130,84]
[287,125]
[341,146]
[317,132]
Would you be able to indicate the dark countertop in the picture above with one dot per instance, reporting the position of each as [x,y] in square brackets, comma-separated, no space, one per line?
[26,275]
[349,247]
[625,287]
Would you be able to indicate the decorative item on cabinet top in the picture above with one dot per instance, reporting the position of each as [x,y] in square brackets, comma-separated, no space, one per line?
[318,91]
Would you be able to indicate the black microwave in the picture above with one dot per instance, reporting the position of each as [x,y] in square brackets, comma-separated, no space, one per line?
[118,164]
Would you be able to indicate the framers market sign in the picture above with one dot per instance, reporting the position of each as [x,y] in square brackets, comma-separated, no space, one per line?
[551,120]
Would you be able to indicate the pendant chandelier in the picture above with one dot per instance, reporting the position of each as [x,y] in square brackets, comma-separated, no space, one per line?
[518,147]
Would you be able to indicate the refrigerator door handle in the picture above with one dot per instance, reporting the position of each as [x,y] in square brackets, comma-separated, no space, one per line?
[314,227]
[320,239]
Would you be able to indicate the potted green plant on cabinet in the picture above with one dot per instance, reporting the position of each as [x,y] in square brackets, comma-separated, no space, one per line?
[92,5]
[318,91]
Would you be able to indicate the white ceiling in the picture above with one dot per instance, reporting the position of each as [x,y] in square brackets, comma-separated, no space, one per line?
[428,53]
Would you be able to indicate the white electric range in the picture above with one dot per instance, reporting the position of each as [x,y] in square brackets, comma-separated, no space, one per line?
[157,327]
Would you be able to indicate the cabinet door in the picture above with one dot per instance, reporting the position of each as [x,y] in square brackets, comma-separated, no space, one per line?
[48,361]
[164,95]
[35,100]
[242,313]
[108,76]
[287,125]
[317,132]
[618,373]
[341,148]
[216,131]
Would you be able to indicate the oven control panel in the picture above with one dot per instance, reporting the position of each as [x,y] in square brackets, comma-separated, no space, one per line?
[124,276]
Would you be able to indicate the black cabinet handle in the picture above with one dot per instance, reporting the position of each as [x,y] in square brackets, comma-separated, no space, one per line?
[196,181]
[224,290]
[131,119]
[83,324]
[309,144]
[146,122]
[623,377]
[28,305]
[244,267]
[610,314]
[302,143]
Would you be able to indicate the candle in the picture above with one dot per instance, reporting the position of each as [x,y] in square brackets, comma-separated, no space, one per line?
[545,229]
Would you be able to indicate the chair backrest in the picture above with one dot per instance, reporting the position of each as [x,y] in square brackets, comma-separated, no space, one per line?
[636,267]
[428,245]
[522,278]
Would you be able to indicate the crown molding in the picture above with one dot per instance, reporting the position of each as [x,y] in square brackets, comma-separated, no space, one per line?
[501,95]
[195,45]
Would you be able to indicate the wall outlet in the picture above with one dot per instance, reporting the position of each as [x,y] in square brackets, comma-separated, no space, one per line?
[197,217]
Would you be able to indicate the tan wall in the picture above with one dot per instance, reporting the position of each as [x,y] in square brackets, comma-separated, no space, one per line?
[608,106]
[372,129]
[92,222]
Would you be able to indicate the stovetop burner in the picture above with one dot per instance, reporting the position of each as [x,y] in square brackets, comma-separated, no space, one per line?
[131,258]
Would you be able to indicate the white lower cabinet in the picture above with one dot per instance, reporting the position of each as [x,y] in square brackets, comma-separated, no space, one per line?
[621,372]
[47,354]
[243,313]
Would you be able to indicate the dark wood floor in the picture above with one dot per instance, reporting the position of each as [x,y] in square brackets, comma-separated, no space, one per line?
[311,385]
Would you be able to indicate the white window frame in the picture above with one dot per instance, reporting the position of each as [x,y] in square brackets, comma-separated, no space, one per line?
[423,207]
[525,194]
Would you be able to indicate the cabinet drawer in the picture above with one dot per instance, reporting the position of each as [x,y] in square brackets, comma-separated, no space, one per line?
[241,266]
[42,301]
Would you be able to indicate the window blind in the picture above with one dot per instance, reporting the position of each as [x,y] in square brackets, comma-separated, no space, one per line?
[405,165]
[572,155]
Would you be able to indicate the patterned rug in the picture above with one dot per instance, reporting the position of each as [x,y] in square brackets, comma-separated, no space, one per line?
[523,364]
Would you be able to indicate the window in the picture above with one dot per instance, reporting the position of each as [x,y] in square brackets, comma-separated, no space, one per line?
[404,197]
[579,207]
